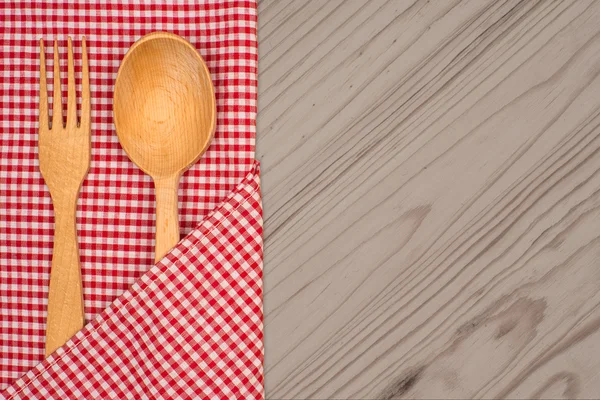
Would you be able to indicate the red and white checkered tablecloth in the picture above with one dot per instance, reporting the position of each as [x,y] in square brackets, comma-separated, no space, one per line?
[189,326]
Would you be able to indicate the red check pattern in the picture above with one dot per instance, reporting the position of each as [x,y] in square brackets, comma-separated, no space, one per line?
[188,327]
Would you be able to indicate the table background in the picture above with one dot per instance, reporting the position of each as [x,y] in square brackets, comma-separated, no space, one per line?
[431,180]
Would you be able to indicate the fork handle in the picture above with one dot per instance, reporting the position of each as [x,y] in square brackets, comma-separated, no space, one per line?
[167,216]
[65,294]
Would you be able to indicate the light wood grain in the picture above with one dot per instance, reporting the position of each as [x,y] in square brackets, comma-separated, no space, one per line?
[165,117]
[64,155]
[431,187]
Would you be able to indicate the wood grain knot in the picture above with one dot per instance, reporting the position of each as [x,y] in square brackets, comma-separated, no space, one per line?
[403,384]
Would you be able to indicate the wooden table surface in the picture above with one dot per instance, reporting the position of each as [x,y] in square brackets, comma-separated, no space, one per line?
[431,182]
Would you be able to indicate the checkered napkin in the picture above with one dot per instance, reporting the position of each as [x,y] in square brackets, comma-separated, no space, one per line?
[189,326]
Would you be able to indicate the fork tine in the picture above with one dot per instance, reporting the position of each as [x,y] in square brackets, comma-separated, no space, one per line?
[57,119]
[71,96]
[85,87]
[44,118]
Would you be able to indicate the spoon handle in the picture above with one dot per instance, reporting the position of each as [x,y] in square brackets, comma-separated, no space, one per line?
[167,220]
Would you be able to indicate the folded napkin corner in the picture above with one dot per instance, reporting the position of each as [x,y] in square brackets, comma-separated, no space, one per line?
[191,327]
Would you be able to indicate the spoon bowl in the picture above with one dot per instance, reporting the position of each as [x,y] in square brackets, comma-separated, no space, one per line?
[165,116]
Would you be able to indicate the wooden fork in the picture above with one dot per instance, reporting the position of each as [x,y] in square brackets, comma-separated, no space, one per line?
[64,154]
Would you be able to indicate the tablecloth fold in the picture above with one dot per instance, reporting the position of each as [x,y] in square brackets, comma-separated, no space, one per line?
[191,327]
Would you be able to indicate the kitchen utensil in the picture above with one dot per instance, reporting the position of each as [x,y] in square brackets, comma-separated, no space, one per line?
[165,116]
[64,156]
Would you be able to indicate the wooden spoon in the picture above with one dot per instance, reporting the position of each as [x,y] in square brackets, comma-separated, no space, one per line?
[165,116]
